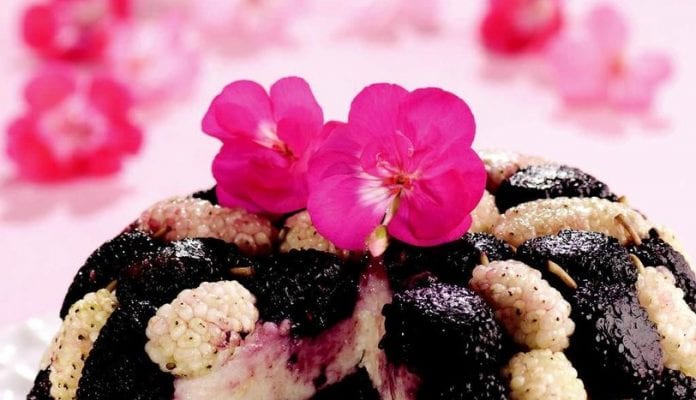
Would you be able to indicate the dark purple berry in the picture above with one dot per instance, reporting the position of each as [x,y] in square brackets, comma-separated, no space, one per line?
[588,257]
[42,386]
[440,330]
[451,262]
[548,181]
[674,385]
[185,264]
[615,347]
[118,367]
[480,386]
[312,289]
[104,265]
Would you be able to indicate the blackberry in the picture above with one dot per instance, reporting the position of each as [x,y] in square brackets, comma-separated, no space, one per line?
[310,288]
[547,181]
[184,264]
[442,331]
[615,347]
[586,256]
[118,367]
[452,262]
[42,386]
[675,385]
[656,252]
[105,263]
[209,195]
[356,386]
[483,386]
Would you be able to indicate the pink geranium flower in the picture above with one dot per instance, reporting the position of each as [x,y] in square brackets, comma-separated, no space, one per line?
[404,161]
[516,26]
[267,141]
[74,126]
[154,59]
[590,65]
[385,19]
[75,30]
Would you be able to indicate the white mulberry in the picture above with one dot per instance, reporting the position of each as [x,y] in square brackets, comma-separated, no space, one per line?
[201,328]
[74,341]
[543,374]
[534,313]
[550,216]
[180,218]
[299,233]
[675,321]
[485,215]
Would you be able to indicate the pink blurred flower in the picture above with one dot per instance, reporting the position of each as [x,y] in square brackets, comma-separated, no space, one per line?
[590,66]
[516,26]
[267,141]
[384,19]
[152,57]
[244,24]
[74,30]
[73,126]
[404,161]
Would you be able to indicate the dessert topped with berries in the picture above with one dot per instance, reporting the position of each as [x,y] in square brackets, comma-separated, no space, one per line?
[377,258]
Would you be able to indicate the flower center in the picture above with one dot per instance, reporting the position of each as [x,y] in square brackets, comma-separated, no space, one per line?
[73,127]
[267,136]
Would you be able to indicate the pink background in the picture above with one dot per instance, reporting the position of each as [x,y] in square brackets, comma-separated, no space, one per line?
[46,232]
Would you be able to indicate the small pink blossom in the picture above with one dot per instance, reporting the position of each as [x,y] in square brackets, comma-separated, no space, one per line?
[403,160]
[73,126]
[73,30]
[244,24]
[267,141]
[385,19]
[516,26]
[590,66]
[153,58]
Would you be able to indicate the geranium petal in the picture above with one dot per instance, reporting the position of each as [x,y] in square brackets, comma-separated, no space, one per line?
[375,109]
[608,28]
[298,116]
[110,97]
[430,114]
[49,88]
[438,209]
[635,90]
[238,111]
[346,209]
[579,68]
[258,178]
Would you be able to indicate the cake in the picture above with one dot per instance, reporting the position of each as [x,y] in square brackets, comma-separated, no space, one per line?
[556,289]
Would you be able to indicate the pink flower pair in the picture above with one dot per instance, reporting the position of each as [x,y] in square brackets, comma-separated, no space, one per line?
[403,160]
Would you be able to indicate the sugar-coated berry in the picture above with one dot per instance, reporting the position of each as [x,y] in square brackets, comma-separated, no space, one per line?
[439,330]
[105,263]
[198,331]
[185,217]
[546,181]
[550,216]
[533,313]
